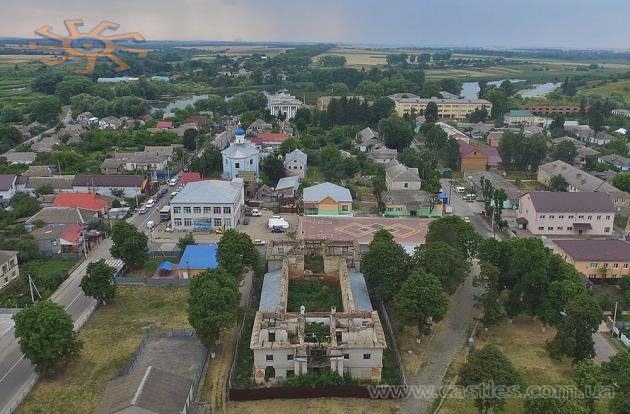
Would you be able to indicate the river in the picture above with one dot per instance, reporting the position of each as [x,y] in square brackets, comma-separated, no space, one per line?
[470,90]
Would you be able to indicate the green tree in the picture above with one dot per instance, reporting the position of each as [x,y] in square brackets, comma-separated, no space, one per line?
[46,110]
[420,298]
[489,280]
[46,336]
[129,244]
[588,377]
[46,82]
[436,139]
[235,251]
[561,404]
[213,304]
[622,181]
[616,372]
[575,333]
[395,132]
[99,281]
[558,183]
[209,163]
[487,370]
[289,145]
[456,232]
[447,263]
[557,124]
[73,86]
[187,240]
[190,139]
[431,112]
[273,168]
[565,151]
[385,265]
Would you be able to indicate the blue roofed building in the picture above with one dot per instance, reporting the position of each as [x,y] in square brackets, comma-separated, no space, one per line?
[196,259]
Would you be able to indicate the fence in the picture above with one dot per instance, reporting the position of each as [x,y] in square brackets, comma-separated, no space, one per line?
[123,280]
[616,332]
[159,253]
[393,344]
[338,391]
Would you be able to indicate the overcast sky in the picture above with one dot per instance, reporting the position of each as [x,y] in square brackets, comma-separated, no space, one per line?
[491,23]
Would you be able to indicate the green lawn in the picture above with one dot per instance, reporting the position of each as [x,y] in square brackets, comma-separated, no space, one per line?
[315,295]
[620,88]
[109,340]
[47,274]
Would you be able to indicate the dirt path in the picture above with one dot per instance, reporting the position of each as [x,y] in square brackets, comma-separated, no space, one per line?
[213,392]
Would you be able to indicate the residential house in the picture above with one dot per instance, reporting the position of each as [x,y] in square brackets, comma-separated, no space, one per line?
[197,258]
[258,126]
[287,186]
[585,154]
[381,154]
[582,132]
[404,196]
[579,180]
[481,130]
[164,125]
[295,164]
[8,187]
[180,131]
[85,201]
[110,122]
[447,108]
[87,119]
[519,117]
[38,171]
[126,186]
[367,139]
[498,181]
[58,183]
[14,157]
[269,141]
[204,205]
[281,342]
[400,177]
[601,138]
[54,216]
[622,112]
[145,161]
[617,161]
[453,132]
[10,270]
[477,158]
[566,214]
[327,199]
[200,122]
[600,260]
[494,137]
[113,166]
[163,150]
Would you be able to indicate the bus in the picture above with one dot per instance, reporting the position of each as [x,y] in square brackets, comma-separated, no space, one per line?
[165,213]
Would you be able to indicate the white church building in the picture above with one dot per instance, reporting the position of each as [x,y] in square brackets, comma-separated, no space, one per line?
[241,159]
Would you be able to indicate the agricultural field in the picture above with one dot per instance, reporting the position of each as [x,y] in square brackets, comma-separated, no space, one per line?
[620,88]
[16,73]
[109,339]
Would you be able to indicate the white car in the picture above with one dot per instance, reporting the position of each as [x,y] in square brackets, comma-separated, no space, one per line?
[174,193]
[150,203]
[172,182]
[256,213]
[460,189]
[150,224]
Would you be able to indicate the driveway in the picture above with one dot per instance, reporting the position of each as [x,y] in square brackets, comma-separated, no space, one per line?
[603,349]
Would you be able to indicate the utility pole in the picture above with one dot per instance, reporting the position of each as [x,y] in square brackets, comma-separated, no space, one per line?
[615,319]
[33,289]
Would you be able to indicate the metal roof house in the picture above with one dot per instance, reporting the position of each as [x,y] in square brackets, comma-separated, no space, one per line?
[327,199]
[196,259]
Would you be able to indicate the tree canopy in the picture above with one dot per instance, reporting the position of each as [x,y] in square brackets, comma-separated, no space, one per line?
[129,244]
[385,265]
[99,282]
[420,298]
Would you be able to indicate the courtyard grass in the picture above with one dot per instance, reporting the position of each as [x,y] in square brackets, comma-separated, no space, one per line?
[315,405]
[315,295]
[109,339]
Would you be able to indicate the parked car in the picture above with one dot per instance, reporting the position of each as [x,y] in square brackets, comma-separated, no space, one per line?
[256,212]
[168,230]
[460,189]
[258,242]
[173,194]
[466,219]
[164,191]
[277,230]
[218,230]
[246,221]
[172,182]
[143,210]
[150,203]
[470,197]
[150,224]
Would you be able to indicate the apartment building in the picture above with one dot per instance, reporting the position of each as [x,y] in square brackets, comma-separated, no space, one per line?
[599,260]
[285,342]
[204,205]
[566,214]
[9,265]
[447,108]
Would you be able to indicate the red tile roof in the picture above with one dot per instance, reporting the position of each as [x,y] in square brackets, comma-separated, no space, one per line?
[86,201]
[200,121]
[270,137]
[164,124]
[190,177]
[72,234]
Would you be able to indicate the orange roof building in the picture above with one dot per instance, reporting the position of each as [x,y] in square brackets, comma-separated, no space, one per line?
[86,201]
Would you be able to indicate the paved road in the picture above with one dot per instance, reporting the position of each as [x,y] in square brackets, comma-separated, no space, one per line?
[452,332]
[603,349]
[15,370]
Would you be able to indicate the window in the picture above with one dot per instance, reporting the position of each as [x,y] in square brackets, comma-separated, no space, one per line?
[560,217]
[607,217]
[550,228]
[605,265]
[178,222]
[625,265]
[599,217]
[593,265]
[569,228]
[367,356]
[197,210]
[227,223]
[272,337]
[187,222]
[207,210]
[237,165]
[346,356]
[344,208]
[542,216]
[552,216]
[177,210]
[560,228]
[289,357]
[580,217]
[187,210]
[217,222]
[541,228]
[290,373]
[227,210]
[571,216]
[269,357]
[606,229]
[616,265]
[406,185]
[217,210]
[251,162]
[589,217]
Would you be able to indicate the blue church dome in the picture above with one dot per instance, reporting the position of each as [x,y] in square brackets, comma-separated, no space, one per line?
[239,131]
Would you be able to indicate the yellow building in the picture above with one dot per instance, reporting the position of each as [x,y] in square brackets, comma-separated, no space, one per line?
[447,108]
[601,260]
